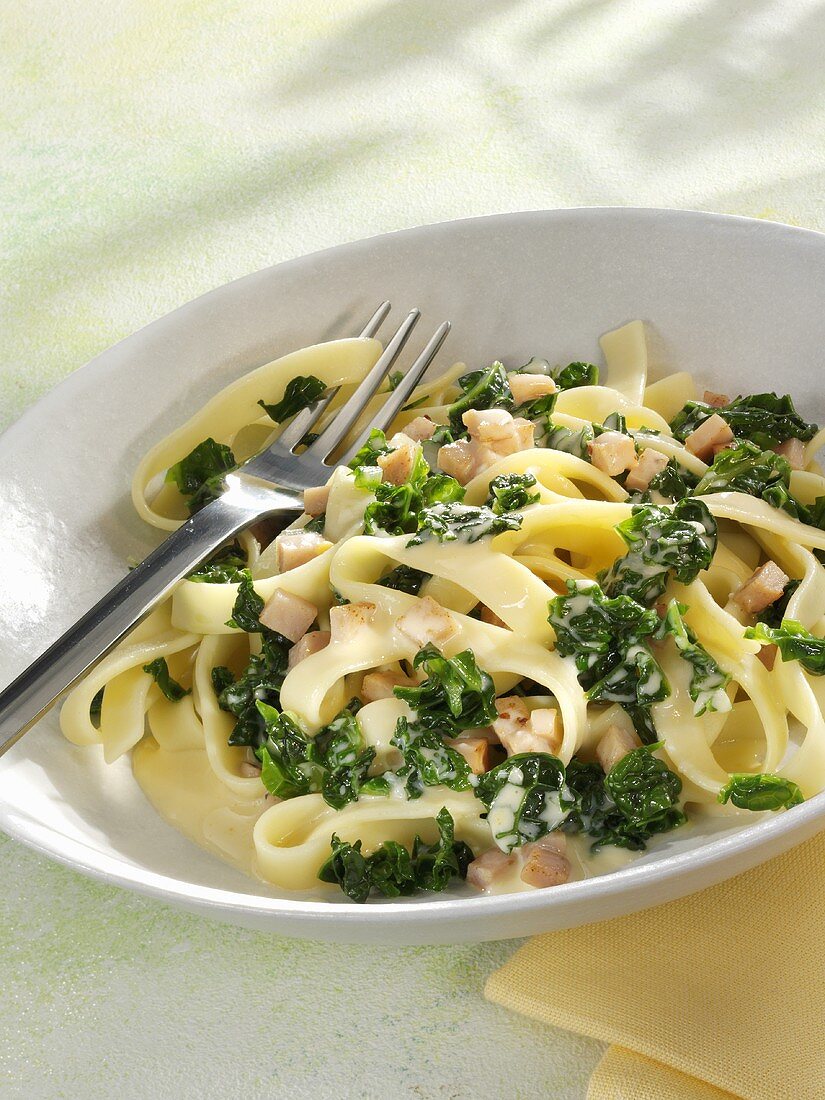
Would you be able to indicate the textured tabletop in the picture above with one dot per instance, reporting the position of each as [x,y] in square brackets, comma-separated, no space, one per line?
[154,151]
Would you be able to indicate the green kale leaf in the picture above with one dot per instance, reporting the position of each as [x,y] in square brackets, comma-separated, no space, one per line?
[707,680]
[663,542]
[464,522]
[510,492]
[795,643]
[481,389]
[760,792]
[224,567]
[457,695]
[260,681]
[200,475]
[405,579]
[247,607]
[300,393]
[522,798]
[159,671]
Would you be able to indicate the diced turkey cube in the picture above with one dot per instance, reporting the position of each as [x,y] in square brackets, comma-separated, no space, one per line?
[313,642]
[546,729]
[612,453]
[522,439]
[316,499]
[427,622]
[379,685]
[762,588]
[489,867]
[464,459]
[349,619]
[475,750]
[650,464]
[529,387]
[513,716]
[398,463]
[420,428]
[521,730]
[297,547]
[543,867]
[716,400]
[793,451]
[249,771]
[288,614]
[713,432]
[614,746]
[488,425]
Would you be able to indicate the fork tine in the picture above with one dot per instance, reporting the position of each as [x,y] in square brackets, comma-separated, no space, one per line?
[389,410]
[376,321]
[336,431]
[292,435]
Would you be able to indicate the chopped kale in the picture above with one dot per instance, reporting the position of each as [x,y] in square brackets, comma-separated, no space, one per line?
[760,792]
[763,418]
[576,374]
[635,800]
[317,524]
[200,475]
[247,607]
[300,393]
[510,492]
[457,695]
[394,871]
[368,454]
[260,681]
[707,680]
[405,579]
[558,438]
[428,760]
[481,389]
[673,482]
[795,643]
[224,567]
[522,798]
[465,522]
[607,638]
[746,468]
[397,509]
[159,671]
[663,542]
[95,708]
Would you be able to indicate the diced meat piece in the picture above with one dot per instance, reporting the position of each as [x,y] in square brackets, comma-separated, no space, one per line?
[762,588]
[249,771]
[316,499]
[524,436]
[555,842]
[612,453]
[379,685]
[488,616]
[288,614]
[475,750]
[546,728]
[650,464]
[464,459]
[717,400]
[719,447]
[528,387]
[793,451]
[349,619]
[513,716]
[767,655]
[614,746]
[488,425]
[420,428]
[297,547]
[484,871]
[544,867]
[427,622]
[313,642]
[711,433]
[398,464]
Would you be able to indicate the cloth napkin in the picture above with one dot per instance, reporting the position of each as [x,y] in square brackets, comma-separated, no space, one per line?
[714,996]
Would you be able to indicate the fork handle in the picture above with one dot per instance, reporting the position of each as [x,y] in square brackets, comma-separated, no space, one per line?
[131,600]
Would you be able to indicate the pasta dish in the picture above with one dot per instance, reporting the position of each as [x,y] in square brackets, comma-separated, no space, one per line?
[540,624]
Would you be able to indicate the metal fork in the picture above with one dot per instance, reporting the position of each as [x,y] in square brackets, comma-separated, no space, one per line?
[269,485]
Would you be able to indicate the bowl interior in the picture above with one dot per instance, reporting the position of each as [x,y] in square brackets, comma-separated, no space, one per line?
[734,301]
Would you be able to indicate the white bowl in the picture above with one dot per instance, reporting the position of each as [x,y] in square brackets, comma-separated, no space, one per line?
[736,301]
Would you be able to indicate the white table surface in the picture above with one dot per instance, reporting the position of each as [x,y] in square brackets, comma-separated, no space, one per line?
[153,151]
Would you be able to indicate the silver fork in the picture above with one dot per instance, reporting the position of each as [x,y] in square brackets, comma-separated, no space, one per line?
[269,485]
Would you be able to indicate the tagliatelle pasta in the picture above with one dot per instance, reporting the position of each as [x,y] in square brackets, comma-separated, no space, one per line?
[542,620]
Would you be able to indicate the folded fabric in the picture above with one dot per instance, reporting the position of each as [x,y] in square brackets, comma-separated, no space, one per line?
[716,995]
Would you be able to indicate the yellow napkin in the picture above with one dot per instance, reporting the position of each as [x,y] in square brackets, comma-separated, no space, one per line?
[716,995]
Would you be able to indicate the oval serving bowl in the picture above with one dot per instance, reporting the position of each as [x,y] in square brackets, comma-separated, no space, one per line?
[732,300]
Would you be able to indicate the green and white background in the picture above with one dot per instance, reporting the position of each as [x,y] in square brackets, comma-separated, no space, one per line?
[153,150]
